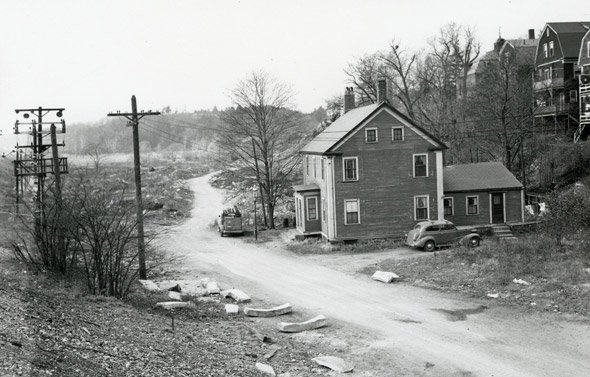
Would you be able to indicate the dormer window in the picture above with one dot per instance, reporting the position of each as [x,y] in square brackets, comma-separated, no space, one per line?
[371,135]
[545,50]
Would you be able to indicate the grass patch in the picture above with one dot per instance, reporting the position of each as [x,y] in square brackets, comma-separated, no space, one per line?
[320,246]
[558,276]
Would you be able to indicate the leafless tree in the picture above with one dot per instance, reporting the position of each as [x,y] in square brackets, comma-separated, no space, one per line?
[260,135]
[500,106]
[401,68]
[363,75]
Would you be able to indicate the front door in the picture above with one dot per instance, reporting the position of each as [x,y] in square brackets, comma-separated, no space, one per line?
[497,208]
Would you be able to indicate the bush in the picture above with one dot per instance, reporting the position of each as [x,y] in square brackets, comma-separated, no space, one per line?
[98,225]
[568,213]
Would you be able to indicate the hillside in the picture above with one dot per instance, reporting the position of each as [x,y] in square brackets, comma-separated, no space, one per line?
[180,131]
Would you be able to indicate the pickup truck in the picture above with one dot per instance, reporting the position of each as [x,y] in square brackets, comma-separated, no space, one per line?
[230,222]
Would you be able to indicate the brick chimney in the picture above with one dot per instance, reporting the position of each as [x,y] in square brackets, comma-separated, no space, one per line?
[349,103]
[531,33]
[381,89]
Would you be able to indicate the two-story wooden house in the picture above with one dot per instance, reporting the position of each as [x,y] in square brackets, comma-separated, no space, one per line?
[372,173]
[556,79]
[584,88]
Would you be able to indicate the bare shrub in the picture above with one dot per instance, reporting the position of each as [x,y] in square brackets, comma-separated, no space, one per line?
[98,224]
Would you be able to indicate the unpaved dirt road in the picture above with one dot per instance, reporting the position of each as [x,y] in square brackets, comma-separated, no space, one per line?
[402,330]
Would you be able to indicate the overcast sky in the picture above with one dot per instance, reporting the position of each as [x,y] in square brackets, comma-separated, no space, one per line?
[91,56]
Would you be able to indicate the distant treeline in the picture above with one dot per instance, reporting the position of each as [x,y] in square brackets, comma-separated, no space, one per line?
[171,131]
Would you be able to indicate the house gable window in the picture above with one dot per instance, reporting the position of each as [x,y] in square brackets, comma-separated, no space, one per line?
[573,96]
[448,206]
[472,205]
[315,164]
[421,210]
[371,135]
[312,208]
[420,165]
[551,49]
[397,134]
[306,165]
[351,212]
[322,162]
[545,50]
[350,168]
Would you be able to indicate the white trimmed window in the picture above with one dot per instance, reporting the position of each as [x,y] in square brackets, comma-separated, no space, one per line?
[397,133]
[351,212]
[448,206]
[350,168]
[551,49]
[420,165]
[306,165]
[322,162]
[547,73]
[371,135]
[315,165]
[312,208]
[472,205]
[545,50]
[421,210]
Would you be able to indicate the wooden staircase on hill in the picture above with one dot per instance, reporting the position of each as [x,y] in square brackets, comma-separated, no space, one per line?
[503,232]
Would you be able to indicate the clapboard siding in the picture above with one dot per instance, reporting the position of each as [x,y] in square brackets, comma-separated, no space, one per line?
[386,186]
[513,206]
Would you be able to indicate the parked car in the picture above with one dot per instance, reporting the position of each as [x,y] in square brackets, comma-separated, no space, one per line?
[435,233]
[230,222]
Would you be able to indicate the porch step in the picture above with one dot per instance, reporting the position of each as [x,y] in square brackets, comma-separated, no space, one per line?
[503,232]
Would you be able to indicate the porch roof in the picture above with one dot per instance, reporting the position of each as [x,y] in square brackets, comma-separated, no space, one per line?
[309,187]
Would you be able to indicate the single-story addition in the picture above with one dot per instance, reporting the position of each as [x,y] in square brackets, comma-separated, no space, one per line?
[482,193]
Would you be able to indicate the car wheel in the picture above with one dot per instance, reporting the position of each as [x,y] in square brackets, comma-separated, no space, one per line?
[429,246]
[474,242]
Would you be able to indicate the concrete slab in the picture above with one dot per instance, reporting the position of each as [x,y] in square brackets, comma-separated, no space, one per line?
[384,276]
[174,305]
[266,369]
[312,324]
[272,312]
[335,363]
[235,294]
[231,309]
[149,285]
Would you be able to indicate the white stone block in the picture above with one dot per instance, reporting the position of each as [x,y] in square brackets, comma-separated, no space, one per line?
[314,323]
[272,312]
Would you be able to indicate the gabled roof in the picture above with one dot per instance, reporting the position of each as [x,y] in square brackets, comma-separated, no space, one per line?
[478,177]
[348,123]
[570,35]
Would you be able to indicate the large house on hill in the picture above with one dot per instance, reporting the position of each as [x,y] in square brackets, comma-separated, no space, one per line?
[556,76]
[374,173]
[584,89]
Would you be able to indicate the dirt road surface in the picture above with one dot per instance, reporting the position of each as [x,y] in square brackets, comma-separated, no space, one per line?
[392,330]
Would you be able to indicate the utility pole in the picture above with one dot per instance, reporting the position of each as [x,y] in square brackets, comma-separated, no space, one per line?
[134,118]
[37,165]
